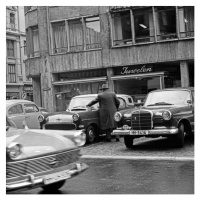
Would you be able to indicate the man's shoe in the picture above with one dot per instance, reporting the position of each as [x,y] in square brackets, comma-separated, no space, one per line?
[117,139]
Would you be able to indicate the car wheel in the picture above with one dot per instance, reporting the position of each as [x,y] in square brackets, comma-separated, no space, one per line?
[90,134]
[128,141]
[54,186]
[180,136]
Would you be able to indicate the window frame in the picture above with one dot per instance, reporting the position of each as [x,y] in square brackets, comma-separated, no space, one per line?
[8,42]
[11,73]
[29,105]
[16,109]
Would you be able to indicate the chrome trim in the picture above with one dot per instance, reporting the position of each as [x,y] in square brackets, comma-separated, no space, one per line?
[33,181]
[151,132]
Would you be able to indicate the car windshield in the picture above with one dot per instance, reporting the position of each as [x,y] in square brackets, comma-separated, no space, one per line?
[169,97]
[81,102]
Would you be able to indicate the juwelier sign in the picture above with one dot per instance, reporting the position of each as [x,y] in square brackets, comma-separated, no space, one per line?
[128,70]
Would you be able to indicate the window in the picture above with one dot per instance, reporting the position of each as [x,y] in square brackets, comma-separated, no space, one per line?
[10,48]
[121,23]
[92,32]
[31,108]
[12,21]
[35,42]
[186,21]
[24,47]
[122,104]
[76,35]
[17,109]
[166,22]
[59,37]
[144,28]
[11,73]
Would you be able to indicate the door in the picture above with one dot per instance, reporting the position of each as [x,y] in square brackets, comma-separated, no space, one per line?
[32,113]
[16,114]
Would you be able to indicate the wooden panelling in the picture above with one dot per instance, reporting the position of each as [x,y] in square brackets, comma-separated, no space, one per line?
[65,12]
[76,61]
[152,53]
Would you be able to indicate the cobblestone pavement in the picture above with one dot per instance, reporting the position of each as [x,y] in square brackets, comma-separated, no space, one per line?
[142,147]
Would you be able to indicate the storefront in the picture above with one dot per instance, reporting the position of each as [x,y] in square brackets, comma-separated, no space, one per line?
[135,81]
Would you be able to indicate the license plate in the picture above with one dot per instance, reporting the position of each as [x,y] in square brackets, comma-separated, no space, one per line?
[139,132]
[51,178]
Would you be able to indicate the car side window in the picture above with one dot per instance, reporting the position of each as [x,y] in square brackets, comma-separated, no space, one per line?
[31,108]
[122,103]
[130,100]
[16,109]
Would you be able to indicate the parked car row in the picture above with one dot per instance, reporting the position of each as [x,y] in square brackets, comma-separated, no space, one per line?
[47,158]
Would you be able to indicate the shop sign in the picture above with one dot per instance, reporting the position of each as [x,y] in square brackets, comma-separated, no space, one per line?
[127,70]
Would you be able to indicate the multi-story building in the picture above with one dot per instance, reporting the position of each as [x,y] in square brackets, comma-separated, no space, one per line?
[73,50]
[18,86]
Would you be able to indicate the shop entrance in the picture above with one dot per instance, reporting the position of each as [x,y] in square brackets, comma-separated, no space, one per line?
[137,86]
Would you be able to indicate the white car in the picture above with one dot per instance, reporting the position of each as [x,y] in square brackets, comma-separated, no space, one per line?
[24,112]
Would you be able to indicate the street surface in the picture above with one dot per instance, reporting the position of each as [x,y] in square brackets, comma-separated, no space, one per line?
[151,167]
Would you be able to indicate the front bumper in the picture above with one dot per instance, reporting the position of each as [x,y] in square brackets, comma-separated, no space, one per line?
[152,132]
[30,181]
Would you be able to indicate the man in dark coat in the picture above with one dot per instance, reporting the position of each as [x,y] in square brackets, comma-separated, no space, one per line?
[108,105]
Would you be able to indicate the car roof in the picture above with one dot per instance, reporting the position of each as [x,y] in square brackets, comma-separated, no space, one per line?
[13,101]
[178,88]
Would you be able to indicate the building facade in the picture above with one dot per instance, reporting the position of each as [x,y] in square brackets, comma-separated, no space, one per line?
[73,50]
[18,86]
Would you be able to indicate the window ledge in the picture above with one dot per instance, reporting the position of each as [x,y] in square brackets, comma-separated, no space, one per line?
[69,52]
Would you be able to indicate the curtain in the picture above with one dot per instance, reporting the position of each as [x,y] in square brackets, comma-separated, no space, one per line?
[76,35]
[10,48]
[60,39]
[117,29]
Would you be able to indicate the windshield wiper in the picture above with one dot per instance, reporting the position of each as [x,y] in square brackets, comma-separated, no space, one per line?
[160,103]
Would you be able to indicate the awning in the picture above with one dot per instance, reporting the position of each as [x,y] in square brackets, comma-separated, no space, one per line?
[87,80]
[120,77]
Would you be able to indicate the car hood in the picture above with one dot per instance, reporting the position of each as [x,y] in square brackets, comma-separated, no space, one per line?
[38,142]
[155,109]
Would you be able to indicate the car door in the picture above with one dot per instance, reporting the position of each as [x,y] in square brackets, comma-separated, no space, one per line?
[32,113]
[16,114]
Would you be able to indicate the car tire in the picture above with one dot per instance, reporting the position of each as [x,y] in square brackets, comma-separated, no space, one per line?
[90,134]
[180,135]
[54,186]
[128,141]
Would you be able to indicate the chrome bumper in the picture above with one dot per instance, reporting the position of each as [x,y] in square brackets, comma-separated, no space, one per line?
[31,182]
[148,132]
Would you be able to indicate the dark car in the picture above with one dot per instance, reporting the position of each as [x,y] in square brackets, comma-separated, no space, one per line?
[41,158]
[166,112]
[45,113]
[78,116]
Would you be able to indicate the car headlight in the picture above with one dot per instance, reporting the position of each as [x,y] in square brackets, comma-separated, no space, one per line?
[117,116]
[14,150]
[80,138]
[41,118]
[75,117]
[166,115]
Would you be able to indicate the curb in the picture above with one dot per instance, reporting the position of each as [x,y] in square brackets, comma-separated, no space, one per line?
[139,157]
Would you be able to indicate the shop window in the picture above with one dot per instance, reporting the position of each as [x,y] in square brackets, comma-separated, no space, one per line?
[186,21]
[121,26]
[92,32]
[11,73]
[10,48]
[166,22]
[76,35]
[34,51]
[17,109]
[144,28]
[59,37]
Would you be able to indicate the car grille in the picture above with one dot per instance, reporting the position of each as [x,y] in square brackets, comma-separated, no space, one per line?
[60,126]
[141,120]
[41,164]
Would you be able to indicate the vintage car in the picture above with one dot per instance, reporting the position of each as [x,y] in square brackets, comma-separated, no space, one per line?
[166,112]
[78,116]
[41,158]
[24,112]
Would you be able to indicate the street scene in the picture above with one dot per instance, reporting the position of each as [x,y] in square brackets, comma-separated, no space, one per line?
[100,100]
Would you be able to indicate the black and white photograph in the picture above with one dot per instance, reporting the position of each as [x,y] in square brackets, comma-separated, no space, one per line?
[100,99]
